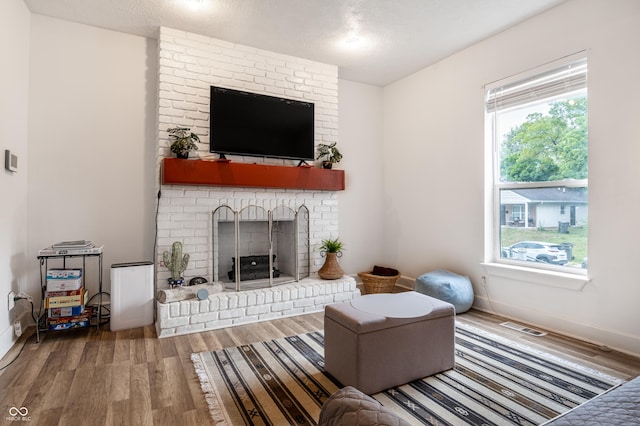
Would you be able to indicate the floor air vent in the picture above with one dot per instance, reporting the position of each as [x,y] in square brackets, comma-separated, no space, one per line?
[523,329]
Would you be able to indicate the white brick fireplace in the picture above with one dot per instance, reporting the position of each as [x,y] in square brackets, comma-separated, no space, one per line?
[185,215]
[188,65]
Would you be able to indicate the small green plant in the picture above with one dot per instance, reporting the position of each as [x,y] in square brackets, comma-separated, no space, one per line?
[183,140]
[328,154]
[331,246]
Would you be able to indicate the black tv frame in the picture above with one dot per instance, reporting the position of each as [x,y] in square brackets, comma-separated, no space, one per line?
[258,125]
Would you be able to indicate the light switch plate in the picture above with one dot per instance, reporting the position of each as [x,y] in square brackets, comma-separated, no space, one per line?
[10,161]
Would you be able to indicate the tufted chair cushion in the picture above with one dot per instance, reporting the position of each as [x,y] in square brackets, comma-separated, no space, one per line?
[349,406]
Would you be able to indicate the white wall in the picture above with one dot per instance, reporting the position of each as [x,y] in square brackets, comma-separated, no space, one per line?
[92,141]
[362,203]
[434,125]
[14,48]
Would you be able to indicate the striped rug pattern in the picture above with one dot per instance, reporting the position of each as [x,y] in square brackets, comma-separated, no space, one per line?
[495,382]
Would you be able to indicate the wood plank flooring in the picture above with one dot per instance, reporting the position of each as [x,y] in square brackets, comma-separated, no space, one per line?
[132,378]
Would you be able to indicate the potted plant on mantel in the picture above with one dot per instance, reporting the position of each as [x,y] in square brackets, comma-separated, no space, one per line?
[328,154]
[183,141]
[332,250]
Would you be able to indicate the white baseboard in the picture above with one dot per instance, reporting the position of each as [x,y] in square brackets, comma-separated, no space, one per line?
[406,282]
[8,337]
[7,340]
[601,338]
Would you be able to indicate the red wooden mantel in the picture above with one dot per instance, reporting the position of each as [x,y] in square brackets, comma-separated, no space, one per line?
[177,171]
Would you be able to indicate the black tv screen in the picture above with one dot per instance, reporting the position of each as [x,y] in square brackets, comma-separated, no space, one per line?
[244,123]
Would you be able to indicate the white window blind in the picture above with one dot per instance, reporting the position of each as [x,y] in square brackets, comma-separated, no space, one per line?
[557,82]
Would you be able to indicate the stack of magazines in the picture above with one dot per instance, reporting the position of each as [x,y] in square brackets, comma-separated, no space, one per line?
[77,247]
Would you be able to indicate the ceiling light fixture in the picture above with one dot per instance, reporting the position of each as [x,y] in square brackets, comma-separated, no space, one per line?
[194,4]
[354,40]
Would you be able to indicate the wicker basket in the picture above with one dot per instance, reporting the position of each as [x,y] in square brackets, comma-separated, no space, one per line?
[378,283]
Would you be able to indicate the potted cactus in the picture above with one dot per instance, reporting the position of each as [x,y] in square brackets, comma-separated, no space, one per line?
[176,262]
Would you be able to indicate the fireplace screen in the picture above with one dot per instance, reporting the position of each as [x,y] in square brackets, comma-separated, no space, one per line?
[256,248]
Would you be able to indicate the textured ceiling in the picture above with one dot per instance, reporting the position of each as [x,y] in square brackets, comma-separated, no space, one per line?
[372,41]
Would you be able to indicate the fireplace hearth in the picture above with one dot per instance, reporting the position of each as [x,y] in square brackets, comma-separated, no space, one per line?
[226,309]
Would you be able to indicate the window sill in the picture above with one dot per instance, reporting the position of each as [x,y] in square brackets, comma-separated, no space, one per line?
[562,280]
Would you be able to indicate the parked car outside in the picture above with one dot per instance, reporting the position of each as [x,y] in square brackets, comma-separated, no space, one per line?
[536,251]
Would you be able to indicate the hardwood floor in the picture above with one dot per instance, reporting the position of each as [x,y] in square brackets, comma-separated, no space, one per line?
[132,378]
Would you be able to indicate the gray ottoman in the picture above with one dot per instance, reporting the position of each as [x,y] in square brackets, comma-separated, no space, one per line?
[379,341]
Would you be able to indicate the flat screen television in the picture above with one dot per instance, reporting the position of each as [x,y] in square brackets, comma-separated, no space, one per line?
[243,123]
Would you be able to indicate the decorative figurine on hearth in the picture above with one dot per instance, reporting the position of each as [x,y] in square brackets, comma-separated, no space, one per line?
[176,263]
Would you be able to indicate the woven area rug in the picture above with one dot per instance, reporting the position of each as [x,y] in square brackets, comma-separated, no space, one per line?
[495,382]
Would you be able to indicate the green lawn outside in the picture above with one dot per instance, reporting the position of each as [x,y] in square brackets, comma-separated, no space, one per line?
[577,236]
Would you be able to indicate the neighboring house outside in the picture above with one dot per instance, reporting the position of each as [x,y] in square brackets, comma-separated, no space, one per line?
[543,207]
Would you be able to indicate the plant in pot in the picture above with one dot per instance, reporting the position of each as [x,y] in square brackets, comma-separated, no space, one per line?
[328,154]
[331,249]
[183,140]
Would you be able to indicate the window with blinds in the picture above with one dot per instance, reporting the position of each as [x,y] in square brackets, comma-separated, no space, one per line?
[538,135]
[559,82]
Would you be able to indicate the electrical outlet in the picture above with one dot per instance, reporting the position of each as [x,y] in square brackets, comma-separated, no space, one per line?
[12,300]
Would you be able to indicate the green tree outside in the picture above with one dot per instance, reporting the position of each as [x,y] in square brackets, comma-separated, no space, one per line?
[548,147]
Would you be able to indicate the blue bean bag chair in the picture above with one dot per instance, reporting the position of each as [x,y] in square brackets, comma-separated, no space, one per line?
[448,286]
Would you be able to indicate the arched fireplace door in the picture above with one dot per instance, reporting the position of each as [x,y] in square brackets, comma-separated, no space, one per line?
[257,248]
